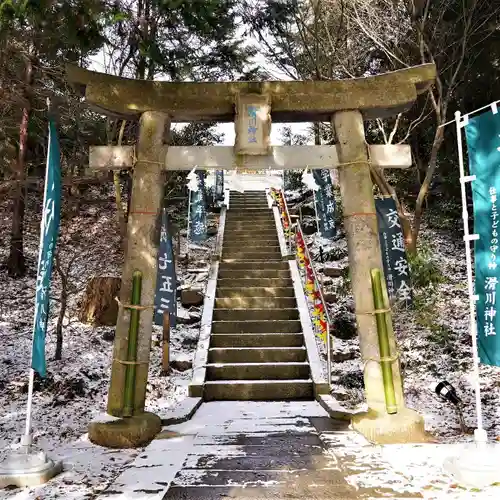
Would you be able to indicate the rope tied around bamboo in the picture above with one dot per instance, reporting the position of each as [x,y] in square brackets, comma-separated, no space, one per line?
[137,307]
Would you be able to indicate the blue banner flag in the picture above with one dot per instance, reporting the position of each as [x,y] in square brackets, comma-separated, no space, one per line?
[392,246]
[166,282]
[325,203]
[483,143]
[49,230]
[198,212]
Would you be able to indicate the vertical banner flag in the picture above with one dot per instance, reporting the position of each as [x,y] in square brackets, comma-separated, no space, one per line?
[198,213]
[209,185]
[392,245]
[49,230]
[483,143]
[219,185]
[325,203]
[166,282]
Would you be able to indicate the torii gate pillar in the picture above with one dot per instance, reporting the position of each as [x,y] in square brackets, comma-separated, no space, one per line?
[140,254]
[360,222]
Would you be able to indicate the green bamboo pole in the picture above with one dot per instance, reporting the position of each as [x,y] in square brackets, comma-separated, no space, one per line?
[129,391]
[390,329]
[383,340]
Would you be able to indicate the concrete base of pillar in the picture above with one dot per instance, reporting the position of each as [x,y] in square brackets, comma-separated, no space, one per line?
[406,426]
[130,432]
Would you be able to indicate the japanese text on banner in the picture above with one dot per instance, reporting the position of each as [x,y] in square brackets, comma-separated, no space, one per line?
[483,142]
[392,245]
[198,214]
[325,203]
[166,283]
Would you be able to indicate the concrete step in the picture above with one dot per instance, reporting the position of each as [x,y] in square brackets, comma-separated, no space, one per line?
[248,195]
[257,326]
[257,340]
[253,198]
[255,232]
[244,229]
[248,242]
[257,214]
[248,212]
[227,265]
[242,202]
[253,273]
[258,390]
[255,303]
[253,209]
[238,235]
[244,208]
[245,215]
[258,371]
[243,247]
[255,282]
[257,220]
[239,257]
[249,253]
[236,292]
[235,236]
[257,355]
[228,254]
[255,314]
[250,192]
[249,205]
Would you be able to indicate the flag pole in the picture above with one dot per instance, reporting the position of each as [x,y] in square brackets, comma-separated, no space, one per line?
[27,468]
[189,222]
[479,434]
[27,439]
[316,213]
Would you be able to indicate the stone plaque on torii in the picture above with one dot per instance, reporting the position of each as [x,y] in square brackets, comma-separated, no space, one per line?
[252,106]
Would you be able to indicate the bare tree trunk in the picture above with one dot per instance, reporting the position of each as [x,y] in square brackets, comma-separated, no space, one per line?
[424,188]
[63,297]
[16,264]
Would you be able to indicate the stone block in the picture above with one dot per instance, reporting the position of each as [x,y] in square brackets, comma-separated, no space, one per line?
[191,297]
[130,432]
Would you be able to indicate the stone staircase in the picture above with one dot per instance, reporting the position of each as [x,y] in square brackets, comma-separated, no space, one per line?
[256,349]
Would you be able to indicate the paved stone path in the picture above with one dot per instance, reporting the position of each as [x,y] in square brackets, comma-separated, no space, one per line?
[277,450]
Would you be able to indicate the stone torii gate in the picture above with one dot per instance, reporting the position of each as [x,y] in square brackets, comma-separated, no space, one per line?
[252,105]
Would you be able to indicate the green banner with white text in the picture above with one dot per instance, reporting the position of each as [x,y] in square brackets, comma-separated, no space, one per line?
[483,143]
[49,230]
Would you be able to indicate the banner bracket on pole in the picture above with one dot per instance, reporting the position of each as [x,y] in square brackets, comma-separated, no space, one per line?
[467,178]
[471,237]
[494,108]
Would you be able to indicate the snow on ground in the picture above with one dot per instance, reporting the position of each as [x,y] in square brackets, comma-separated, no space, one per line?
[75,390]
[434,342]
[433,337]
